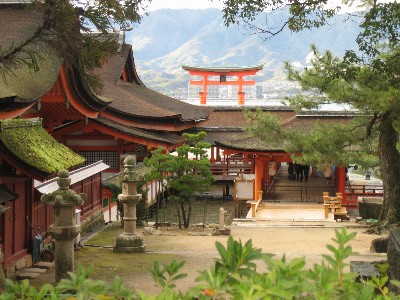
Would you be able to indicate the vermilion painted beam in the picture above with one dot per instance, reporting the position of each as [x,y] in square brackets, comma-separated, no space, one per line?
[233,82]
[13,114]
[53,98]
[94,148]
[91,137]
[71,97]
[232,73]
[341,182]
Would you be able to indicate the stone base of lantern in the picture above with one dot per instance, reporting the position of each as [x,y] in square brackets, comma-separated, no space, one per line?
[222,231]
[129,244]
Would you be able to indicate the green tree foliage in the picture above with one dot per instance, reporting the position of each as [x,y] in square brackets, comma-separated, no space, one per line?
[66,29]
[367,81]
[234,275]
[158,162]
[302,14]
[184,175]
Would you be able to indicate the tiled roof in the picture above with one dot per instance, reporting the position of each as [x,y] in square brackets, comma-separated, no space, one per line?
[111,70]
[235,118]
[251,144]
[134,99]
[223,69]
[241,141]
[306,123]
[30,143]
[168,138]
[80,174]
[17,26]
[223,136]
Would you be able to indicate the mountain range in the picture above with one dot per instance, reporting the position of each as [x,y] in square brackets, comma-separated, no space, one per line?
[166,39]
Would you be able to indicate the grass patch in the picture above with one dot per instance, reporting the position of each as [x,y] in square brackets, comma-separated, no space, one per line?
[107,236]
[108,264]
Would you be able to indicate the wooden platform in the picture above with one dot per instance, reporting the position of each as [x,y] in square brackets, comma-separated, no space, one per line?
[292,212]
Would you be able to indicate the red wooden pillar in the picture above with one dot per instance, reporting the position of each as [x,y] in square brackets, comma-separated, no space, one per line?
[212,158]
[267,177]
[218,154]
[259,170]
[124,75]
[240,91]
[203,94]
[341,182]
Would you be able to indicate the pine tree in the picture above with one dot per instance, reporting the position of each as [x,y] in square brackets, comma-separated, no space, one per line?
[67,29]
[367,81]
[187,172]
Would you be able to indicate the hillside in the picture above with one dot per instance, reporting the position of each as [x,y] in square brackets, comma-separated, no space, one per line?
[166,39]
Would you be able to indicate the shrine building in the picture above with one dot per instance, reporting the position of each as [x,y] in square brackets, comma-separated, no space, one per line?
[93,131]
[234,152]
[101,127]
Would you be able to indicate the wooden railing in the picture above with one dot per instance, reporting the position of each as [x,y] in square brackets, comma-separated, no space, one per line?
[358,190]
[290,193]
[232,166]
[364,189]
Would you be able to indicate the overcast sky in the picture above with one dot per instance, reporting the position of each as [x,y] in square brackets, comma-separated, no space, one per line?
[175,4]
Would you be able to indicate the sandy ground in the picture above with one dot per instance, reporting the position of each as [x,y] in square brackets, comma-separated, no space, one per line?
[199,252]
[294,239]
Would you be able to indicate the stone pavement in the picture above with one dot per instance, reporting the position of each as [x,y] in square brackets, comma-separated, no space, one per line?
[37,269]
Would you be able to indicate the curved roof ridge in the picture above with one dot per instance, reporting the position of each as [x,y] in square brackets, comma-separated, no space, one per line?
[133,98]
[223,69]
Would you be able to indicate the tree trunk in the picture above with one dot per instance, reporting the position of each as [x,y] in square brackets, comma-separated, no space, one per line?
[189,213]
[183,213]
[178,212]
[390,169]
[158,204]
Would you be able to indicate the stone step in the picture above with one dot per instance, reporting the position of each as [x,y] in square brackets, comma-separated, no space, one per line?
[44,265]
[28,275]
[36,270]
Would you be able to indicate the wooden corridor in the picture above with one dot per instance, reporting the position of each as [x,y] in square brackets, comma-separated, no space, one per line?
[288,200]
[284,190]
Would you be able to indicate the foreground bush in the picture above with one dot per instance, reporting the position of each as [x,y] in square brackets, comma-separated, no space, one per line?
[233,276]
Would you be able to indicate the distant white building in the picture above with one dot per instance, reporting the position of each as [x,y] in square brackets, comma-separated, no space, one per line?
[225,92]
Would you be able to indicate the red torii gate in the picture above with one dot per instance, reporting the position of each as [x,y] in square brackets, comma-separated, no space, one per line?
[222,72]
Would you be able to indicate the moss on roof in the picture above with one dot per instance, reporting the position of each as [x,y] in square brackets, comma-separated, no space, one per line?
[31,143]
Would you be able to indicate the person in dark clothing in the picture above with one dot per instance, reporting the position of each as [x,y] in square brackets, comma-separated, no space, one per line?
[290,171]
[306,171]
[299,172]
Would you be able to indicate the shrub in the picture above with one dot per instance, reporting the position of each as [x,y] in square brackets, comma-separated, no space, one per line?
[233,276]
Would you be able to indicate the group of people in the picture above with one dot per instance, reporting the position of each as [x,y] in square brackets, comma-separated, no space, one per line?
[297,172]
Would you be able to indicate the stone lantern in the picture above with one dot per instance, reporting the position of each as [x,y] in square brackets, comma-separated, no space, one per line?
[129,241]
[222,229]
[64,229]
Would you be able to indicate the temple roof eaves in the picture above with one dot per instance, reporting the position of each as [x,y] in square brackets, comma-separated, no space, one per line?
[223,69]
